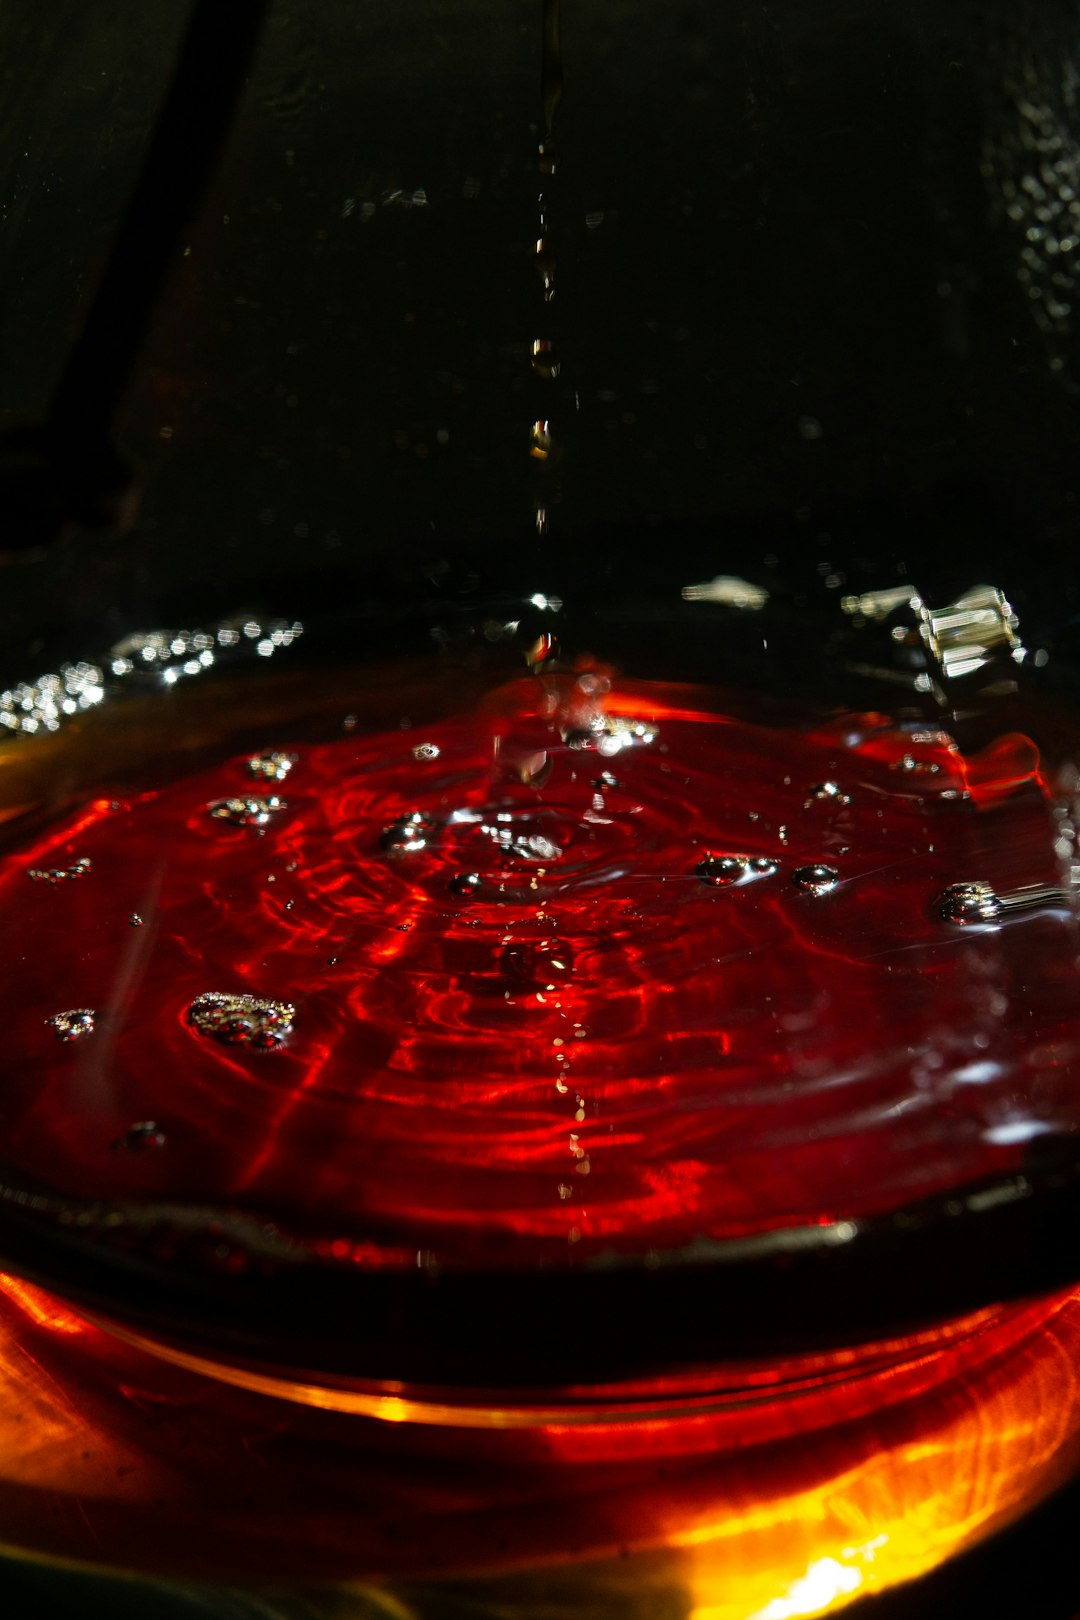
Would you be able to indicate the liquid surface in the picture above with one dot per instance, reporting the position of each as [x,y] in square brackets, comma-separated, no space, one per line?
[581,972]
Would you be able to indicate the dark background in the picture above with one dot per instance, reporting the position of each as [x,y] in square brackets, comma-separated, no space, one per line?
[814,305]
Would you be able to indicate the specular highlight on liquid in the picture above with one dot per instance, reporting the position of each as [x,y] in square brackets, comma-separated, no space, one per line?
[582,973]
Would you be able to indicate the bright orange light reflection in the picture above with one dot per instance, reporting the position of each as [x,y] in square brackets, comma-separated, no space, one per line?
[759,1500]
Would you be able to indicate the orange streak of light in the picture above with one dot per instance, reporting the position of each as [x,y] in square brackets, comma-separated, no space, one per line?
[768,1503]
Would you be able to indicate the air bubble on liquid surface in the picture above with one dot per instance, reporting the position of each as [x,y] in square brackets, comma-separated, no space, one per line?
[724,870]
[141,1137]
[465,885]
[74,1025]
[249,811]
[721,870]
[241,1019]
[817,879]
[408,834]
[271,765]
[426,751]
[967,905]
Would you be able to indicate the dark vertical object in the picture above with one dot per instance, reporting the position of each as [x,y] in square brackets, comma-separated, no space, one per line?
[216,54]
[67,474]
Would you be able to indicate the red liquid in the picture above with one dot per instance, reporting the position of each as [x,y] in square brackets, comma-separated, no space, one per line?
[545,1034]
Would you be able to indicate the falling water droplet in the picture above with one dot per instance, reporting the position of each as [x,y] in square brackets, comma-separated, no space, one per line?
[544,648]
[465,885]
[545,267]
[250,811]
[721,870]
[426,751]
[140,1137]
[541,443]
[817,879]
[73,1025]
[241,1019]
[969,904]
[545,359]
[408,834]
[271,765]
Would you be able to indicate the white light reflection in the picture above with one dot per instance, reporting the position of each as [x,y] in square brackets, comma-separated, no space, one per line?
[166,655]
[729,591]
[826,1580]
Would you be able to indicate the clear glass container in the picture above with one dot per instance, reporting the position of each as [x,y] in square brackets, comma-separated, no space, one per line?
[538,798]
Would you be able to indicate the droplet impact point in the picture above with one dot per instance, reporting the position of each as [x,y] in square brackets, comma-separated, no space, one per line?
[408,834]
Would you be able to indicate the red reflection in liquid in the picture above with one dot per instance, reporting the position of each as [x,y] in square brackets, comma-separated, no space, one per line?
[526,1028]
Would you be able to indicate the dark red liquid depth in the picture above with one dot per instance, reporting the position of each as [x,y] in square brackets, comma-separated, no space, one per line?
[548,984]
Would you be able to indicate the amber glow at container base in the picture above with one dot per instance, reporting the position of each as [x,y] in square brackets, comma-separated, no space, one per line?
[792,1499]
[501,1018]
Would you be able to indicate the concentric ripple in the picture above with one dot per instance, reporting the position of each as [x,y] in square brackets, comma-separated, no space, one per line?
[532,1000]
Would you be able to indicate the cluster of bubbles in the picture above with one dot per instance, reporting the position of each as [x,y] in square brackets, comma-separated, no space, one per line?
[60,874]
[250,810]
[73,1025]
[241,1019]
[271,765]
